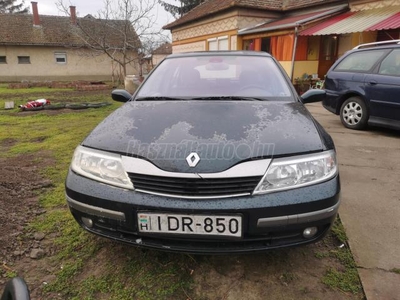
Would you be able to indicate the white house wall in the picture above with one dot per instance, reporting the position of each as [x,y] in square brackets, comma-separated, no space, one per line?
[80,64]
[193,37]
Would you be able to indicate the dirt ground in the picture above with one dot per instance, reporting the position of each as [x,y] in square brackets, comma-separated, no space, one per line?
[296,271]
[20,186]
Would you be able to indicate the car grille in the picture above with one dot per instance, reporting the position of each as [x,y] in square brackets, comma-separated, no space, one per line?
[194,187]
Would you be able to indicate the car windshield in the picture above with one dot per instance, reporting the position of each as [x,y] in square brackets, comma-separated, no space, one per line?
[217,77]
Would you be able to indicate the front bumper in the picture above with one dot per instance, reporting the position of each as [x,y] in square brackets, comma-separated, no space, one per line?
[269,221]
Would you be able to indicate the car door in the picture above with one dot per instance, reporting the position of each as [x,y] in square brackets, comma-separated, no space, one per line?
[383,88]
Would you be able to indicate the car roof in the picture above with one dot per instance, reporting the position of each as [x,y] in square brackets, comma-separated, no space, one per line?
[222,53]
[377,45]
[393,46]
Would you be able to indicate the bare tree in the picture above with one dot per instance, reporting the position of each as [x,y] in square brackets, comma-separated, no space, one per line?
[123,30]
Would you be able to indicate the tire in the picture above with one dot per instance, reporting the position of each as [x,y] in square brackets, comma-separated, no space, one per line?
[354,113]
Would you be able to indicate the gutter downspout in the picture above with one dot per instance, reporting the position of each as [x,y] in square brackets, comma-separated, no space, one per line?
[296,31]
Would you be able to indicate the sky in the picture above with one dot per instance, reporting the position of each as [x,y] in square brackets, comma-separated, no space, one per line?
[84,7]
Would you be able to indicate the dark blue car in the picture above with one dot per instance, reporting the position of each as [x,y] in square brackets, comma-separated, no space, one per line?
[363,86]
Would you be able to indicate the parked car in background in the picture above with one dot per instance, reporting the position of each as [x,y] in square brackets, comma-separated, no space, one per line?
[214,153]
[363,86]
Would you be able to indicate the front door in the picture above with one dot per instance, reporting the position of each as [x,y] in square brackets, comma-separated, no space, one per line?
[327,54]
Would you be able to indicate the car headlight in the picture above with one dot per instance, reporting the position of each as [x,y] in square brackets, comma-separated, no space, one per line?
[101,166]
[292,172]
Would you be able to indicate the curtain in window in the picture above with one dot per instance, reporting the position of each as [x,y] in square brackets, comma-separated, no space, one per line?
[281,47]
[301,49]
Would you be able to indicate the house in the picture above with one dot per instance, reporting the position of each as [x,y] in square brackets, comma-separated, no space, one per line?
[306,36]
[160,53]
[157,55]
[365,22]
[57,48]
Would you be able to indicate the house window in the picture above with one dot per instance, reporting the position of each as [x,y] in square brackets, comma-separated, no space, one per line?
[61,58]
[329,48]
[3,60]
[282,47]
[301,52]
[266,45]
[24,59]
[218,44]
[223,43]
[213,44]
[248,45]
[313,47]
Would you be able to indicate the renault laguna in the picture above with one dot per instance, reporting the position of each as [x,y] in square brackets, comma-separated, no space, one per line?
[214,153]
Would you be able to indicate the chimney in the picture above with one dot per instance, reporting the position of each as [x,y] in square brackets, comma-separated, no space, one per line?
[72,10]
[36,19]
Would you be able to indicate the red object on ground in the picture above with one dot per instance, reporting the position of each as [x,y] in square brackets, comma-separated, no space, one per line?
[35,103]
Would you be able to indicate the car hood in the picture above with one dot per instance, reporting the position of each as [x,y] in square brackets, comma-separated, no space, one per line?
[222,133]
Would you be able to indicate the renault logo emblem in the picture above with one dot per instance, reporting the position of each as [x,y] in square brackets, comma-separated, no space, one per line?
[193,159]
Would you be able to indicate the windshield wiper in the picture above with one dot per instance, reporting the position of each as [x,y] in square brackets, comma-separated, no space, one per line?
[162,98]
[240,98]
[158,98]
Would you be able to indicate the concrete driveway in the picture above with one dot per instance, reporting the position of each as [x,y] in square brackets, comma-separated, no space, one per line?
[370,211]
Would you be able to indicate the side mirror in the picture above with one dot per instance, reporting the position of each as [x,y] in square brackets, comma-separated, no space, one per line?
[313,95]
[121,95]
[16,289]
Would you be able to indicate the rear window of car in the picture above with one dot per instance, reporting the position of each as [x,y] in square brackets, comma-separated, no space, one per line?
[360,61]
[391,64]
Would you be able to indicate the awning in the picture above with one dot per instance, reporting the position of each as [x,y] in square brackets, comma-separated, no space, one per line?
[364,20]
[293,21]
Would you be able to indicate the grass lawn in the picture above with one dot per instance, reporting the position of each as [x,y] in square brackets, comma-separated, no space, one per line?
[83,266]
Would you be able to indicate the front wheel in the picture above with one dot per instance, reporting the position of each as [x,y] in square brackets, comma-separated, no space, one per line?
[354,114]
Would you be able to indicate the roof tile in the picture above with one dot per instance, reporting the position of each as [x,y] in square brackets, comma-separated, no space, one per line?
[18,29]
[165,48]
[210,7]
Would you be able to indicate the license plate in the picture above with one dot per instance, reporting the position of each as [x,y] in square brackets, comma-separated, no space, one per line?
[190,224]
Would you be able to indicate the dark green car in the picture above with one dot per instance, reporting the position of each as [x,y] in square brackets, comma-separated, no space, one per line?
[214,153]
